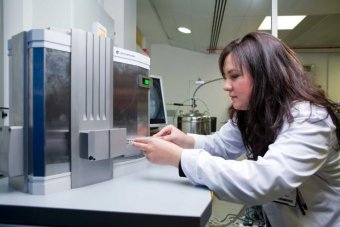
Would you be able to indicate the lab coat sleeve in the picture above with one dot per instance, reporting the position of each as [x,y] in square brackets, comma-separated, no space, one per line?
[300,150]
[226,143]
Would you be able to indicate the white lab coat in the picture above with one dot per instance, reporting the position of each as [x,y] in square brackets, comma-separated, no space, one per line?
[303,155]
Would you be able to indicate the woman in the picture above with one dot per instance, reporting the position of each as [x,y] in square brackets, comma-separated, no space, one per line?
[282,122]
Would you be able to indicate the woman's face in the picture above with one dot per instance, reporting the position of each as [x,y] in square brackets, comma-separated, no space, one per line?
[238,83]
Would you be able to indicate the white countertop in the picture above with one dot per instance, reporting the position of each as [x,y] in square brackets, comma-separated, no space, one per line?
[155,190]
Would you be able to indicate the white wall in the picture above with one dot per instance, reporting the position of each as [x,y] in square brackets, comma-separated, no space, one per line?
[327,71]
[67,14]
[334,76]
[15,20]
[179,69]
[124,14]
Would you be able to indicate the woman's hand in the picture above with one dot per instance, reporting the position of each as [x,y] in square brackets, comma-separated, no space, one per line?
[172,134]
[158,150]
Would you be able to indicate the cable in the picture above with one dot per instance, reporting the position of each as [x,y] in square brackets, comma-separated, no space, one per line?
[214,222]
[206,106]
[253,216]
[248,215]
[208,82]
[175,115]
[193,104]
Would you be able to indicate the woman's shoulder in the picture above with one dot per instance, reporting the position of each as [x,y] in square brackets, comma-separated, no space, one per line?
[305,110]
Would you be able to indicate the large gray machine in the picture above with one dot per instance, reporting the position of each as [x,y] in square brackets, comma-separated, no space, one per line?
[61,131]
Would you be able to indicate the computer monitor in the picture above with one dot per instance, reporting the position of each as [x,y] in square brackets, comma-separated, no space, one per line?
[158,116]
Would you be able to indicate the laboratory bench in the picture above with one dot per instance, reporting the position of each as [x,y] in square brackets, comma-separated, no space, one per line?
[152,196]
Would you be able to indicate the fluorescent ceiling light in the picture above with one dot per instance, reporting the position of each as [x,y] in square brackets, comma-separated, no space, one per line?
[184,30]
[283,22]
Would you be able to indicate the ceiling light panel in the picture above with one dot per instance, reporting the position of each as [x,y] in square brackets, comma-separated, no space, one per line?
[283,22]
[184,30]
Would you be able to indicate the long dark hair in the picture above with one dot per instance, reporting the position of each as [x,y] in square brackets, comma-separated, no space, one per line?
[279,79]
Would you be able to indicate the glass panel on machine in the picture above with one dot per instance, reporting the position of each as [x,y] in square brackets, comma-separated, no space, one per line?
[57,115]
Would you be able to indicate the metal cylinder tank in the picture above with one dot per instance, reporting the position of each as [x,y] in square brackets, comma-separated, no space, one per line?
[194,122]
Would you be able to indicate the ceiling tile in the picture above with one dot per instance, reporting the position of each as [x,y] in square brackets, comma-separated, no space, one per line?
[320,27]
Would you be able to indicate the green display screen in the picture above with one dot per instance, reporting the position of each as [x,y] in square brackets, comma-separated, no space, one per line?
[146,81]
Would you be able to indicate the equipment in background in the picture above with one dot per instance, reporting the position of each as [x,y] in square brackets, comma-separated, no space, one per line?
[131,95]
[63,128]
[194,121]
[158,115]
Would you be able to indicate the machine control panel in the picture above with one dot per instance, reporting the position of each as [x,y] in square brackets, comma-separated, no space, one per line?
[144,81]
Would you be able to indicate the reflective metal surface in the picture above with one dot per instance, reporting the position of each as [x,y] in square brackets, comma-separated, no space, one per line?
[91,103]
[130,102]
[194,122]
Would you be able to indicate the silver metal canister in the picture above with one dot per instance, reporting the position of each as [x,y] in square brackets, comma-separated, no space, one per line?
[194,122]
